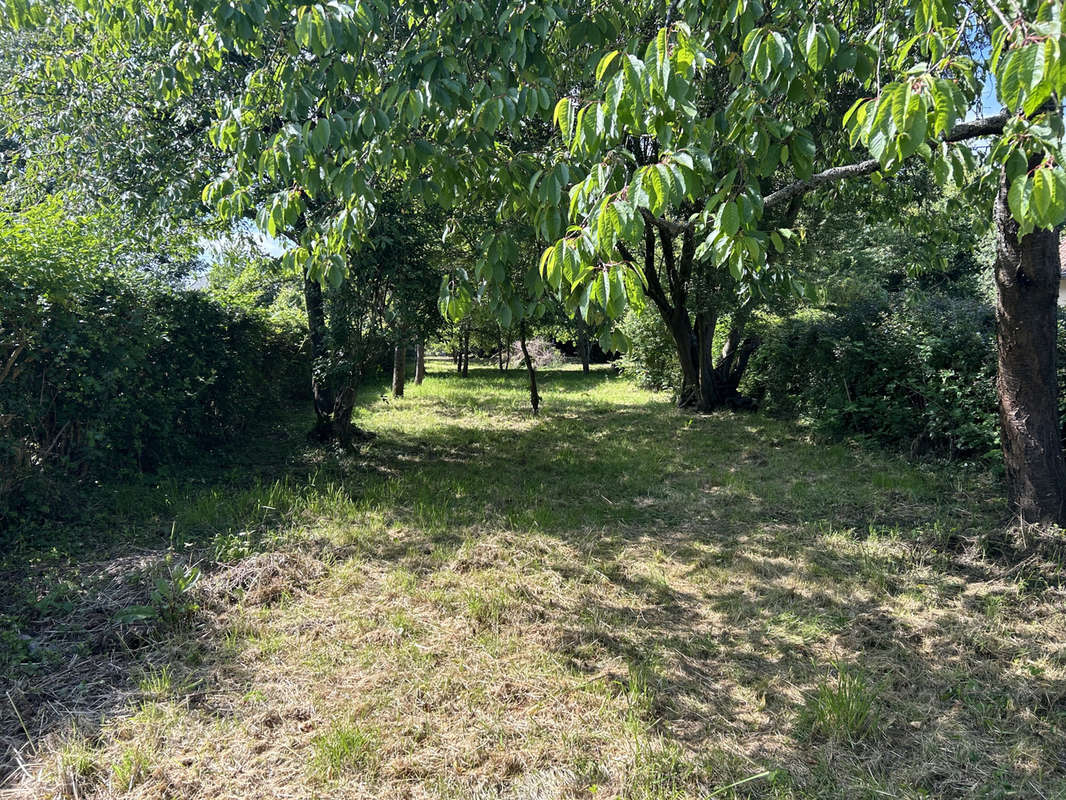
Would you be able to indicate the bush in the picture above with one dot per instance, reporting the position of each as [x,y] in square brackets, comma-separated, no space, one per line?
[651,360]
[102,368]
[912,369]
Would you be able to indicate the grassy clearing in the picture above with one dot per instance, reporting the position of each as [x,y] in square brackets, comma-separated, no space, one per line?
[612,600]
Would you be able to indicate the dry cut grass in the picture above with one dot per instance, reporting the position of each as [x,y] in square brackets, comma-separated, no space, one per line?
[612,600]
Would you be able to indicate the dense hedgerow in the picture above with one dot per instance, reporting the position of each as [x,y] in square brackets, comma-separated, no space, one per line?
[915,371]
[103,368]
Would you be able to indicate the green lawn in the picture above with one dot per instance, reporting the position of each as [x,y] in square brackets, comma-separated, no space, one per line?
[615,599]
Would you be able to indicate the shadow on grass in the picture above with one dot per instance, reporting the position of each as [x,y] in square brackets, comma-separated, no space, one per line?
[741,567]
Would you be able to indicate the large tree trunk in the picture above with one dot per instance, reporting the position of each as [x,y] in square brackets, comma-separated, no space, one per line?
[687,351]
[711,394]
[534,397]
[420,362]
[341,427]
[399,368]
[1027,284]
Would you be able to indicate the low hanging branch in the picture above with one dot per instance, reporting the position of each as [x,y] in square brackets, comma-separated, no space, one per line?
[986,126]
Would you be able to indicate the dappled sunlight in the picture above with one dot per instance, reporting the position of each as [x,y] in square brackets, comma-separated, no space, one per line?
[613,594]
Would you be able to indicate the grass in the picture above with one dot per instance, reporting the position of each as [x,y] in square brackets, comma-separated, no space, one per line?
[614,599]
[841,708]
[343,750]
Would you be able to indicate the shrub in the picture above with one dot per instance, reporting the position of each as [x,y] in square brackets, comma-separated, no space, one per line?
[542,352]
[915,370]
[651,360]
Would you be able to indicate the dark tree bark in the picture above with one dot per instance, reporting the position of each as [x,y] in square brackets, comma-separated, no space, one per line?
[583,344]
[499,350]
[420,362]
[534,397]
[710,391]
[1027,286]
[399,368]
[314,303]
[464,355]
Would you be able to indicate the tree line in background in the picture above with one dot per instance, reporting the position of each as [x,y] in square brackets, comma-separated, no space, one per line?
[681,180]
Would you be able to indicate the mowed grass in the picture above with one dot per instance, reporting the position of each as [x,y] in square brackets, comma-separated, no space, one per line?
[614,599]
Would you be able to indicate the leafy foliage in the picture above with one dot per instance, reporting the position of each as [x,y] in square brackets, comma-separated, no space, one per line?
[105,368]
[651,360]
[914,371]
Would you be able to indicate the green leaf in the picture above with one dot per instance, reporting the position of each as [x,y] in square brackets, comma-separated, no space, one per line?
[320,136]
[1042,193]
[563,116]
[605,64]
[1017,74]
[729,219]
[1018,197]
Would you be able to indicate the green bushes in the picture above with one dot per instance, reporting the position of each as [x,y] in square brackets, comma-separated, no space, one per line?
[912,370]
[102,368]
[652,360]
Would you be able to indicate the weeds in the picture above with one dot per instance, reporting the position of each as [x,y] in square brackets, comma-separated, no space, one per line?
[841,708]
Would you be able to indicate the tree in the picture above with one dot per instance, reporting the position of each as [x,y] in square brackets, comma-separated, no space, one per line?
[795,60]
[730,106]
[355,324]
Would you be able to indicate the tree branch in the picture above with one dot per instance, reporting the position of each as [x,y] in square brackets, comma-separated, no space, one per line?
[986,126]
[667,226]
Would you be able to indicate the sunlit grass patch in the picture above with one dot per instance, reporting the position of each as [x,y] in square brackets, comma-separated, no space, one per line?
[842,707]
[345,749]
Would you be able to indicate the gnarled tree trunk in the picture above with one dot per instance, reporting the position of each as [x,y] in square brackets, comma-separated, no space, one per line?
[1027,286]
[334,405]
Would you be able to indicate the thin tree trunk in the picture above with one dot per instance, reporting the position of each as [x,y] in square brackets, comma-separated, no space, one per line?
[420,362]
[583,342]
[534,397]
[499,352]
[1027,284]
[465,354]
[399,368]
